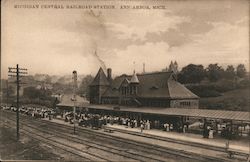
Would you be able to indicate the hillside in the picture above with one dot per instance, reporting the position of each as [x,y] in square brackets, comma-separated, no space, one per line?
[238,100]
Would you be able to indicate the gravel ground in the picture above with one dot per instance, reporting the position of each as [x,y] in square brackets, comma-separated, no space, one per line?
[26,148]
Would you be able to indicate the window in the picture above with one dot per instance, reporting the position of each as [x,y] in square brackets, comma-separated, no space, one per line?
[185,103]
[127,90]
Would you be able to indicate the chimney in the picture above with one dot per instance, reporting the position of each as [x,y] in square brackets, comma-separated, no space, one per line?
[143,69]
[109,73]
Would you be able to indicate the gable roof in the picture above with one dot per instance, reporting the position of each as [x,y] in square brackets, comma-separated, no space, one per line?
[100,79]
[155,85]
[178,90]
[148,81]
[125,82]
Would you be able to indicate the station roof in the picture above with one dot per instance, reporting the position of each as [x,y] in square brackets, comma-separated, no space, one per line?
[152,85]
[189,112]
[201,113]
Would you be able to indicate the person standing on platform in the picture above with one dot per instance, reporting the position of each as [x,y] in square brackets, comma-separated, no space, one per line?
[129,123]
[184,128]
[142,126]
[148,125]
[211,133]
[132,123]
[111,120]
[135,121]
[171,127]
[165,127]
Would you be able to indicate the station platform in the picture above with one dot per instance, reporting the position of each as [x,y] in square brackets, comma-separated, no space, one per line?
[174,141]
[241,144]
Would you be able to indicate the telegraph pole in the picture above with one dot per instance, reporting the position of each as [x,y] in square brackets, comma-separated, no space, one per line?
[74,97]
[7,84]
[16,73]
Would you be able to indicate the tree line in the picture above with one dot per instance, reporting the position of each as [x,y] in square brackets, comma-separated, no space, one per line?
[213,72]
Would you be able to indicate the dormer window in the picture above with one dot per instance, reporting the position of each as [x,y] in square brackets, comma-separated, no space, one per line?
[154,87]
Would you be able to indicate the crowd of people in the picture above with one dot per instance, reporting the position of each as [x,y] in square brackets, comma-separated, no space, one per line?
[97,121]
[33,111]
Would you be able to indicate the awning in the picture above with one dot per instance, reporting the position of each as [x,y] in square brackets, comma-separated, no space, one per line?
[201,113]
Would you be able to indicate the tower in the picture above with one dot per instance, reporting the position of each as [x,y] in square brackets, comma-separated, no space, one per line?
[143,70]
[98,86]
[134,81]
[173,67]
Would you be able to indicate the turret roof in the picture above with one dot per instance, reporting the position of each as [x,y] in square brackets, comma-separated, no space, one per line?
[134,78]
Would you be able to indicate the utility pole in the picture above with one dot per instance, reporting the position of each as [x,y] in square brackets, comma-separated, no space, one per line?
[7,84]
[74,97]
[15,72]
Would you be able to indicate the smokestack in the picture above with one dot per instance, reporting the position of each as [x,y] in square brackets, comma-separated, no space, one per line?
[109,73]
[143,70]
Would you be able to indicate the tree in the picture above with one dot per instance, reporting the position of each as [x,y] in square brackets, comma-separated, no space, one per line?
[8,89]
[214,72]
[62,80]
[11,90]
[38,96]
[84,86]
[192,74]
[229,72]
[47,79]
[31,92]
[241,70]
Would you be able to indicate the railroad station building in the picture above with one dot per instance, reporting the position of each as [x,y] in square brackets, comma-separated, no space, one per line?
[158,89]
[156,97]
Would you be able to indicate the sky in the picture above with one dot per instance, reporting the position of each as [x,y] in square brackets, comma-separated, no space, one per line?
[58,41]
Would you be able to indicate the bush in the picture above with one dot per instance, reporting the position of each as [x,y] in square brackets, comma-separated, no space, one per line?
[49,102]
[215,89]
[244,83]
[224,86]
[235,104]
[209,93]
[204,90]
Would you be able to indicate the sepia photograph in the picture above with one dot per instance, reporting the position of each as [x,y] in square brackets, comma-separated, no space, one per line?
[125,80]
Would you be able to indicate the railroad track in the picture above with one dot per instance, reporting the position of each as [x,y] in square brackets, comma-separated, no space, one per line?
[143,150]
[110,150]
[130,156]
[59,145]
[158,150]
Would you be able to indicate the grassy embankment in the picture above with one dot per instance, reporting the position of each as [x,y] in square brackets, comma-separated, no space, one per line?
[237,100]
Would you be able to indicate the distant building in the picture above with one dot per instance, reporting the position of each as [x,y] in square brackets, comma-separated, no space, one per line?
[159,89]
[66,101]
[44,86]
[173,67]
[57,96]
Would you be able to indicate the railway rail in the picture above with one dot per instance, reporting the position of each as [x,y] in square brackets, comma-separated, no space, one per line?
[59,145]
[119,151]
[143,152]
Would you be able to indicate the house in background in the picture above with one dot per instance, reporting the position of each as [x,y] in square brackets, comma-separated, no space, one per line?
[158,89]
